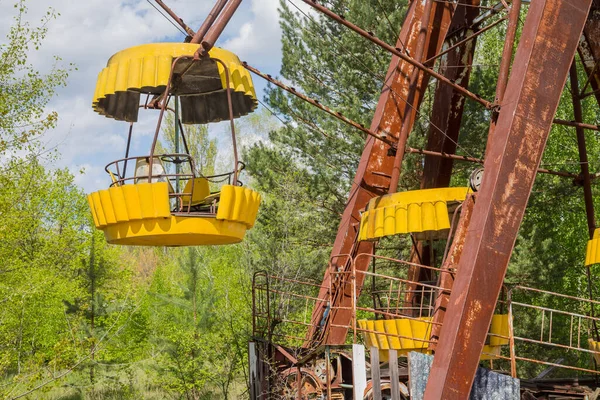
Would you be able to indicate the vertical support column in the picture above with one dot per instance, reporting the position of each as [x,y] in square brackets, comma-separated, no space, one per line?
[548,43]
[375,373]
[511,335]
[448,104]
[409,113]
[585,172]
[394,378]
[254,384]
[359,371]
[298,383]
[507,53]
[583,159]
[177,140]
[589,51]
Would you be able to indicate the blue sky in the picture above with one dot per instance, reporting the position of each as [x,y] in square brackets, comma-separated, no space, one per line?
[88,32]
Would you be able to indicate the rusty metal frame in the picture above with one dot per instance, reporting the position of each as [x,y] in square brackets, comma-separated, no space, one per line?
[514,154]
[507,166]
[209,21]
[208,41]
[395,51]
[164,98]
[372,176]
[589,51]
[459,157]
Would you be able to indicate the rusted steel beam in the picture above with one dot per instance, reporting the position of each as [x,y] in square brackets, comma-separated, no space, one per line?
[209,21]
[176,18]
[588,94]
[215,30]
[315,103]
[549,40]
[397,52]
[576,124]
[448,104]
[589,50]
[446,117]
[471,36]
[437,154]
[585,172]
[591,74]
[507,53]
[581,147]
[409,109]
[481,161]
[446,281]
[372,176]
[218,27]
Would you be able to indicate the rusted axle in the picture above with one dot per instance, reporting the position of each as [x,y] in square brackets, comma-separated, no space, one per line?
[208,41]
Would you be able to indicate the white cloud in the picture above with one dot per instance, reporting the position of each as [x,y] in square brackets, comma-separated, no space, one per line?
[88,32]
[260,37]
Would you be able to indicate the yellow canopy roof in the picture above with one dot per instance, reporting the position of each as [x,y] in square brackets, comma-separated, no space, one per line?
[409,212]
[145,69]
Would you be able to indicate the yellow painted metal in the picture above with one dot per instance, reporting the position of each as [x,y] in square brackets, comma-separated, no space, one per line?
[409,212]
[201,189]
[140,215]
[412,334]
[499,327]
[595,346]
[593,249]
[146,69]
[404,334]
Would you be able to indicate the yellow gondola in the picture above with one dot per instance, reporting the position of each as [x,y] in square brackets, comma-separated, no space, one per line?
[413,334]
[147,205]
[152,214]
[201,84]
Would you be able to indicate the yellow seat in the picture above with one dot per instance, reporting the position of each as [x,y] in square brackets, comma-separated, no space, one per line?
[142,168]
[402,334]
[201,190]
[113,178]
[140,215]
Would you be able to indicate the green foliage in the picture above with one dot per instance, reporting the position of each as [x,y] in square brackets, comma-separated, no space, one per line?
[326,61]
[202,149]
[82,319]
[62,289]
[200,320]
[24,90]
